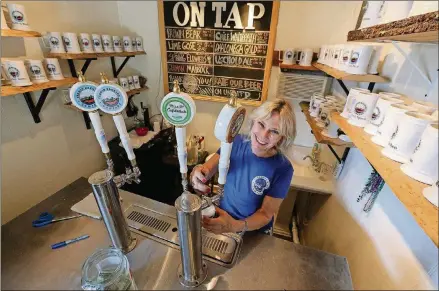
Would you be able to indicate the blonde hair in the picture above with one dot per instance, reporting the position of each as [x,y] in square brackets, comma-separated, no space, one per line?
[287,122]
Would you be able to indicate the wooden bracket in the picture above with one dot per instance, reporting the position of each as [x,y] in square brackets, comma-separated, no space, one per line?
[113,65]
[83,69]
[36,109]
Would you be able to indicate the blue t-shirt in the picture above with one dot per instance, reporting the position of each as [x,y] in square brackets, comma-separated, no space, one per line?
[250,178]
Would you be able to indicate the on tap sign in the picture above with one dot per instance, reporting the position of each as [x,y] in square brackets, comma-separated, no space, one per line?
[212,48]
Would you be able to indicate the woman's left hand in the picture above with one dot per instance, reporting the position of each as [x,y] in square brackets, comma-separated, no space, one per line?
[221,224]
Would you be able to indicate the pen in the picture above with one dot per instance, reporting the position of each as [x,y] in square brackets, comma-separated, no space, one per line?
[69,241]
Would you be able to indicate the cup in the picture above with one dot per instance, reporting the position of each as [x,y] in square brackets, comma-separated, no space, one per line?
[321,54]
[127,44]
[359,61]
[288,57]
[56,43]
[136,82]
[422,165]
[36,71]
[388,126]
[97,43]
[53,69]
[17,73]
[425,107]
[379,112]
[123,82]
[71,42]
[131,83]
[139,44]
[4,23]
[316,106]
[18,17]
[324,114]
[313,97]
[108,43]
[374,59]
[331,129]
[86,43]
[345,57]
[117,44]
[306,57]
[336,56]
[362,109]
[406,136]
[350,100]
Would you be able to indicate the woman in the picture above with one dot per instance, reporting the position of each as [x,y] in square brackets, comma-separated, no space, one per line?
[259,175]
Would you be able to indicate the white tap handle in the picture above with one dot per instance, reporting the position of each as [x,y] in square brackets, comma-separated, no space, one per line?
[180,133]
[224,162]
[124,137]
[99,131]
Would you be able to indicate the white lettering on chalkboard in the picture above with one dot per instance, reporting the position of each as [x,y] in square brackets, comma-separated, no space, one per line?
[186,13]
[236,18]
[251,14]
[197,14]
[222,7]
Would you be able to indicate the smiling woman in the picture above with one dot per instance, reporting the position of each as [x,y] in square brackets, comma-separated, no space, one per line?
[260,172]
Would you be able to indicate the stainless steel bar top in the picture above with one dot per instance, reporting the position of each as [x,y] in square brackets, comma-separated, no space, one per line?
[28,262]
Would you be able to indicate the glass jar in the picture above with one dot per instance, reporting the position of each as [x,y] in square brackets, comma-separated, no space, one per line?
[107,269]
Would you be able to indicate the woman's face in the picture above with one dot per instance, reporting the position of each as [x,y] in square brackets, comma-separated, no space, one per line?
[265,135]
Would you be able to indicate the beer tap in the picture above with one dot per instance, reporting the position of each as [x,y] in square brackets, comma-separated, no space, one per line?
[112,99]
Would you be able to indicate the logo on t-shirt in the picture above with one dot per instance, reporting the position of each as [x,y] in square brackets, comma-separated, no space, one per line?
[259,184]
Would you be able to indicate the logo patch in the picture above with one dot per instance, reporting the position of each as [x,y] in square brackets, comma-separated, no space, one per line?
[259,184]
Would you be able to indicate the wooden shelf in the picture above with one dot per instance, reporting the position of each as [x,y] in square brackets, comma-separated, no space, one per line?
[10,90]
[421,37]
[137,91]
[20,33]
[317,130]
[408,190]
[340,75]
[81,56]
[298,67]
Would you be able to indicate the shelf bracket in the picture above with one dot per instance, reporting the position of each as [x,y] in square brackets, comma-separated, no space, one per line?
[36,109]
[118,70]
[83,69]
[346,90]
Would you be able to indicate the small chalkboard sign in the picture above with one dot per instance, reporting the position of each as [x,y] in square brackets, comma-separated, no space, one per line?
[214,47]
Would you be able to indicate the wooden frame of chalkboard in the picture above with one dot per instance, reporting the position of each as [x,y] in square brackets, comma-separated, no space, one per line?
[211,59]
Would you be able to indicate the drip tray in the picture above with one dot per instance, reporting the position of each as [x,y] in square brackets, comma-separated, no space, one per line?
[222,249]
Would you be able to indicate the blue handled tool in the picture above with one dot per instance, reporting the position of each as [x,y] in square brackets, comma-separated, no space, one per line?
[69,241]
[46,218]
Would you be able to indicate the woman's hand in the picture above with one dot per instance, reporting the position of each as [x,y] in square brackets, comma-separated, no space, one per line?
[221,224]
[199,179]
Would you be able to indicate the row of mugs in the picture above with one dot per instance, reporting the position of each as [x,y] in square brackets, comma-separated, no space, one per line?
[127,83]
[68,41]
[27,72]
[352,59]
[408,132]
[301,57]
[18,17]
[321,108]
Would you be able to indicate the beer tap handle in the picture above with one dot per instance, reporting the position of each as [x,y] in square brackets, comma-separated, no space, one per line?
[180,133]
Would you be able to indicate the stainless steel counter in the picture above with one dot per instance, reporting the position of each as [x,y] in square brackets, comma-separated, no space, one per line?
[265,262]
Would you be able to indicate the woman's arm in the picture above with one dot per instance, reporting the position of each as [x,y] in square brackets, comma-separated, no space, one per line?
[203,172]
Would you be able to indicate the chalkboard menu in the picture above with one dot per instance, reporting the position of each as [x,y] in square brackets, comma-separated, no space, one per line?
[212,48]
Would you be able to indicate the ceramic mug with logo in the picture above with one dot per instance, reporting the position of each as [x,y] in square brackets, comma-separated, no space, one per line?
[359,61]
[53,69]
[123,82]
[117,44]
[331,129]
[316,106]
[313,97]
[16,72]
[131,83]
[56,43]
[343,61]
[288,57]
[18,17]
[86,43]
[71,42]
[420,167]
[362,109]
[136,81]
[127,44]
[139,44]
[350,100]
[306,57]
[389,124]
[97,43]
[379,112]
[107,42]
[36,71]
[336,56]
[321,54]
[406,136]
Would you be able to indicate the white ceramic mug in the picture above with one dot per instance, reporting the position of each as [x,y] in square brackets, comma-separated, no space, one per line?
[86,43]
[425,107]
[16,72]
[71,42]
[345,57]
[362,109]
[97,43]
[388,126]
[306,57]
[379,112]
[123,82]
[336,55]
[36,71]
[359,61]
[56,43]
[406,136]
[321,54]
[4,23]
[53,69]
[374,60]
[107,42]
[316,106]
[331,130]
[139,44]
[127,44]
[423,166]
[350,100]
[117,44]
[18,17]
[131,83]
[136,81]
[313,97]
[288,57]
